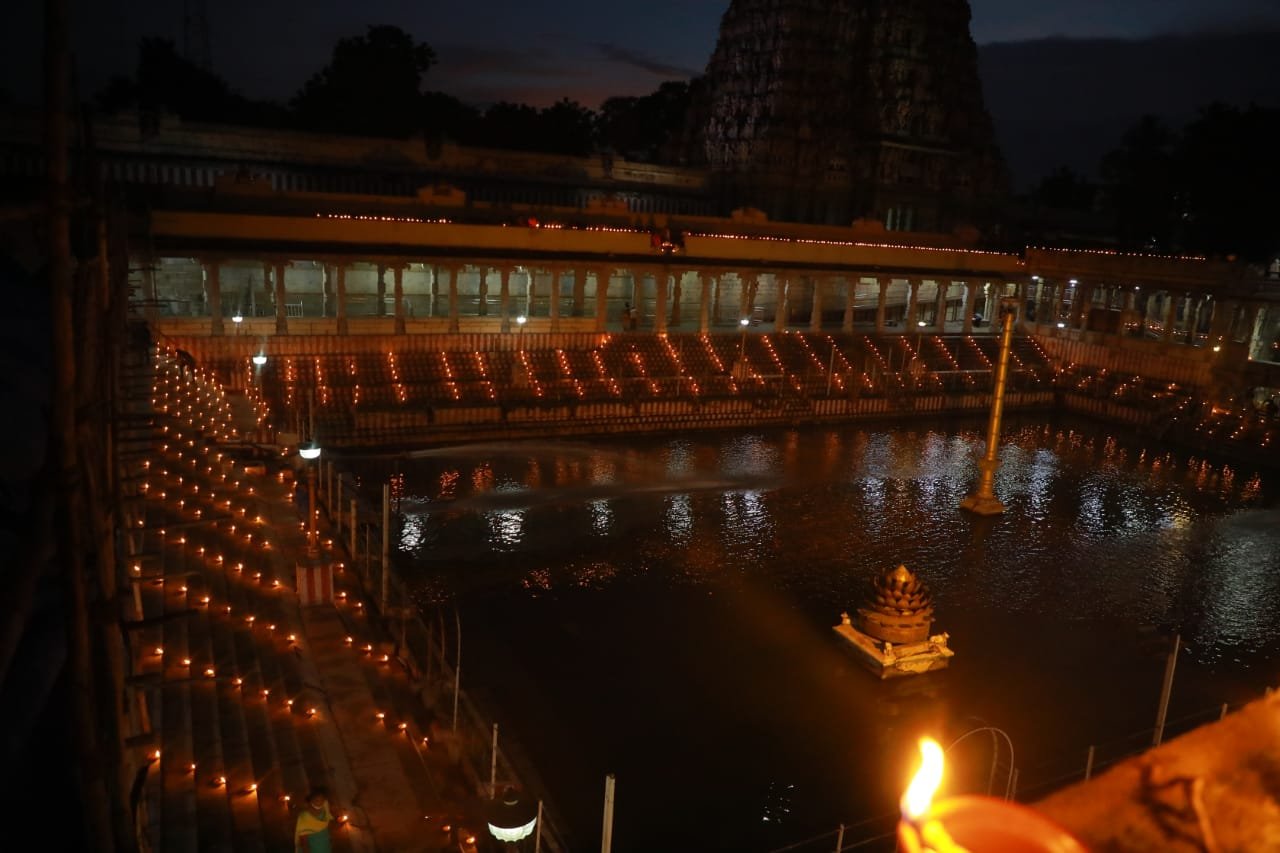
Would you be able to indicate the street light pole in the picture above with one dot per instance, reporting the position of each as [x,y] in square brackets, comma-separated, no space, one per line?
[920,324]
[310,452]
[740,368]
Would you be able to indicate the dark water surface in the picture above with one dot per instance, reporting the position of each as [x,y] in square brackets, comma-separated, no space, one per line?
[661,608]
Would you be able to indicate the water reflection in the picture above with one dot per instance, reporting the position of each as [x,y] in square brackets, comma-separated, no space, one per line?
[695,579]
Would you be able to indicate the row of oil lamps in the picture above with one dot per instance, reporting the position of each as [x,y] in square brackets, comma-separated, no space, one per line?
[194,398]
[953,825]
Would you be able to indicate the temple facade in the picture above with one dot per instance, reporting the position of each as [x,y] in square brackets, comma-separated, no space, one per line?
[831,112]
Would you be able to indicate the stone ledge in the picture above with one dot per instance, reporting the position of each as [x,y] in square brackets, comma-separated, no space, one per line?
[1214,789]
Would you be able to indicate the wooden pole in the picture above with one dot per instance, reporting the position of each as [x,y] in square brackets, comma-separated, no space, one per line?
[537,828]
[1088,765]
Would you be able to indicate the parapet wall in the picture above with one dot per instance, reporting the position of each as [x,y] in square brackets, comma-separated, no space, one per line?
[1166,362]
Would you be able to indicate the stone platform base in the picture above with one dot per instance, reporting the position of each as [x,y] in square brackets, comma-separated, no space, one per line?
[982,506]
[889,661]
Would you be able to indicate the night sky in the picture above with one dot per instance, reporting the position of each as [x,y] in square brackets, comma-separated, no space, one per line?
[528,50]
[537,52]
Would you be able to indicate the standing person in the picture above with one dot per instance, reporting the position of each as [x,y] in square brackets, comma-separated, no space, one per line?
[311,833]
[626,317]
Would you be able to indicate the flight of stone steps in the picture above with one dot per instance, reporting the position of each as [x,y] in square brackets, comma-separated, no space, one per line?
[243,723]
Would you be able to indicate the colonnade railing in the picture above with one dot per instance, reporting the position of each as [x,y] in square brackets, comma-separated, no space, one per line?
[363,531]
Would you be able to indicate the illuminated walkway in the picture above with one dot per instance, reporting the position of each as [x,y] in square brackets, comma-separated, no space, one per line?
[253,700]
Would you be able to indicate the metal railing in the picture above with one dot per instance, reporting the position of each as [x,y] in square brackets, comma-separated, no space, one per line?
[359,533]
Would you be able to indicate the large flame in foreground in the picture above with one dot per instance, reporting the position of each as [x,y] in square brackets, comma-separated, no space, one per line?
[919,794]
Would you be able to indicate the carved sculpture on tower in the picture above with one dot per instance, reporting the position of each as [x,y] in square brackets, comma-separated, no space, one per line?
[829,111]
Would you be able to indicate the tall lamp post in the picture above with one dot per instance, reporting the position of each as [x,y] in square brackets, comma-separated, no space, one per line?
[310,452]
[920,326]
[740,369]
[983,501]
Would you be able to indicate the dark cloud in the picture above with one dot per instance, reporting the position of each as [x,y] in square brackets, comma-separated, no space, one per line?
[460,60]
[636,59]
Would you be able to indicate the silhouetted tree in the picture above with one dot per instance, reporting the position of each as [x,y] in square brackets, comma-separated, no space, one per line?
[641,128]
[567,127]
[1139,178]
[165,81]
[507,125]
[446,117]
[1228,176]
[1065,189]
[1208,189]
[371,86]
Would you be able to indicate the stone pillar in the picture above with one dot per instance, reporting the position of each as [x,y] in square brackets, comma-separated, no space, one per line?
[717,283]
[1127,311]
[661,280]
[213,288]
[637,292]
[433,289]
[971,289]
[704,303]
[380,308]
[783,310]
[815,316]
[1170,315]
[1194,307]
[677,293]
[1253,326]
[850,304]
[454,270]
[1220,326]
[397,273]
[746,296]
[340,309]
[482,292]
[913,301]
[282,313]
[882,305]
[602,299]
[555,299]
[1059,299]
[1085,294]
[504,297]
[579,292]
[326,289]
[531,289]
[940,306]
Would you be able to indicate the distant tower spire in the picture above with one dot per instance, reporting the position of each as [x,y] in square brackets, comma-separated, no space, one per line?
[195,33]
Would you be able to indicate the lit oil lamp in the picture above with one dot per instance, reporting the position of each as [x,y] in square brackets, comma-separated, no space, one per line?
[969,823]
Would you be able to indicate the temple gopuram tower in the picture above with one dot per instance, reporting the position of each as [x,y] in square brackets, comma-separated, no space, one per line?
[829,111]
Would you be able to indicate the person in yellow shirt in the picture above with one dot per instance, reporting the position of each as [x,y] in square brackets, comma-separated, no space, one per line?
[311,833]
